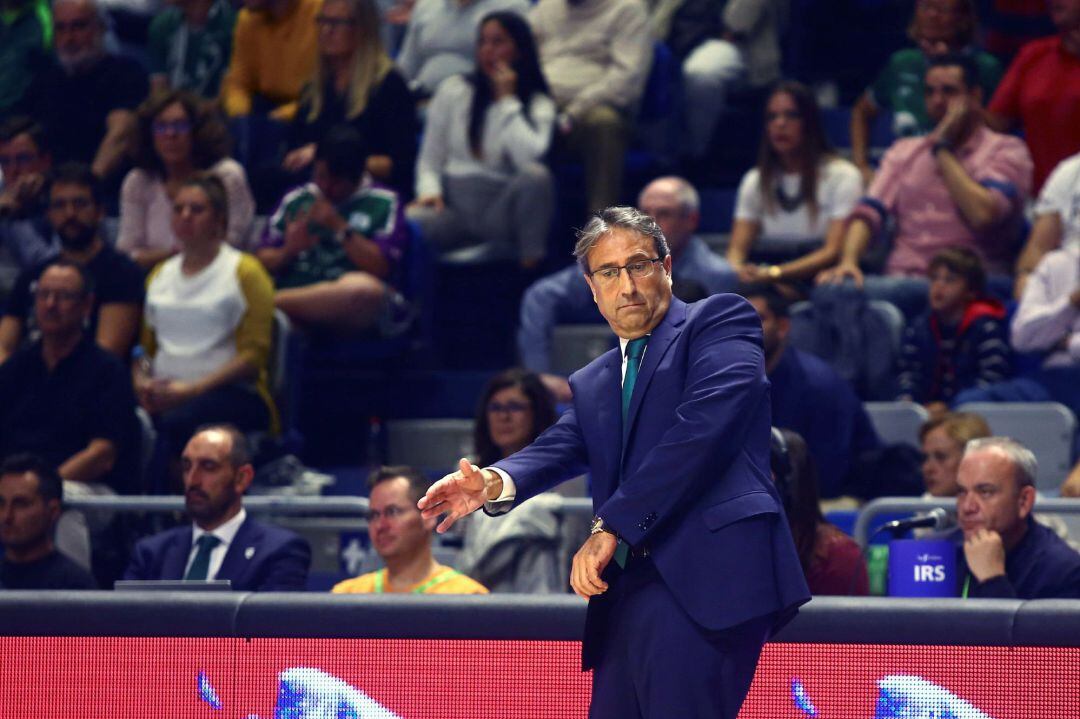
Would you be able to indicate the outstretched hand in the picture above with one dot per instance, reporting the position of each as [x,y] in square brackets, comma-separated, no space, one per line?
[459,494]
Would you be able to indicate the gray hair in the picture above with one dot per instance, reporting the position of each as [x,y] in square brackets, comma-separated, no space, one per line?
[1022,458]
[610,219]
[684,192]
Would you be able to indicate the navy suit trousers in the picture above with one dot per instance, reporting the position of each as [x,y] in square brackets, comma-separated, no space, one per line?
[658,663]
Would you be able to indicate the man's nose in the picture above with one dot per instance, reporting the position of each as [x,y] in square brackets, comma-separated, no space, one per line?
[626,282]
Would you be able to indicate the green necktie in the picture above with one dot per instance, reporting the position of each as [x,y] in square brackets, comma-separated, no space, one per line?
[634,350]
[200,566]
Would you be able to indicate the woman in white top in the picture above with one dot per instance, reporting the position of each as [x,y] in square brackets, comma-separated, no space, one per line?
[480,178]
[179,136]
[1057,220]
[797,197]
[207,326]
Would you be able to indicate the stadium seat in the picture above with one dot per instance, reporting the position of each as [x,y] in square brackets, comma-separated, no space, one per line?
[574,346]
[433,445]
[897,422]
[1046,428]
[889,313]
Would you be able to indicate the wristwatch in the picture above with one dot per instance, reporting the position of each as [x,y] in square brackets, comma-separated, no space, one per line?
[599,526]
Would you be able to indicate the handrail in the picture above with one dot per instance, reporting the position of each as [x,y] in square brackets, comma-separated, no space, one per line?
[860,620]
[263,504]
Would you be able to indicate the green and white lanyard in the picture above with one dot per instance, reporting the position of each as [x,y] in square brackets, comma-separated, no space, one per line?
[440,578]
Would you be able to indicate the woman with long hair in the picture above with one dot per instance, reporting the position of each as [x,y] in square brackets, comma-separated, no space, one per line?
[207,326]
[522,552]
[797,197]
[480,176]
[179,135]
[937,27]
[831,560]
[355,83]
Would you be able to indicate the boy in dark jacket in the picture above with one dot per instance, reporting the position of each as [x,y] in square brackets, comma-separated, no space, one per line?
[962,341]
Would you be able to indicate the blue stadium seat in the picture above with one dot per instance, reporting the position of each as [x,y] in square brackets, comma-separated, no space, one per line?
[1046,428]
[433,445]
[897,422]
[574,346]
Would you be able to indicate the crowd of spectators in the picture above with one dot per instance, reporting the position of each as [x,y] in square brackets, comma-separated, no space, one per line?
[162,196]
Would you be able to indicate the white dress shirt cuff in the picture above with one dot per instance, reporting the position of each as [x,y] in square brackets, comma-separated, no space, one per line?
[503,503]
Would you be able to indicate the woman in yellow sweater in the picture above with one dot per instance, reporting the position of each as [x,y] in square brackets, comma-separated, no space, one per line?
[207,326]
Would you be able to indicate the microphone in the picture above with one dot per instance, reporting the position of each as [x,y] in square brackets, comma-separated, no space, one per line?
[936,518]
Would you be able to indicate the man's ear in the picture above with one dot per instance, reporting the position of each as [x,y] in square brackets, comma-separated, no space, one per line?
[54,509]
[88,309]
[244,476]
[1026,501]
[592,287]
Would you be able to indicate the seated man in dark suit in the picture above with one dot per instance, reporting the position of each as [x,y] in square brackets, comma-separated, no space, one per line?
[1006,554]
[222,542]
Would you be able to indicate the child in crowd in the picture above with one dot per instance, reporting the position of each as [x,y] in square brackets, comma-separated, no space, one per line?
[961,342]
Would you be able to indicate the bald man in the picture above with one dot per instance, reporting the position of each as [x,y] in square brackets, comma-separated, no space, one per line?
[1006,553]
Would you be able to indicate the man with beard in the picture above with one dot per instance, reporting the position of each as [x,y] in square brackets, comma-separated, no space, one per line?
[75,213]
[86,98]
[222,542]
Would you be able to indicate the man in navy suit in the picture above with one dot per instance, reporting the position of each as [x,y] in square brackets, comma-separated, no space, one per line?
[222,542]
[690,564]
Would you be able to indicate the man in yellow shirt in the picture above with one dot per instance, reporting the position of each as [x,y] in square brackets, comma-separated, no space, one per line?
[402,539]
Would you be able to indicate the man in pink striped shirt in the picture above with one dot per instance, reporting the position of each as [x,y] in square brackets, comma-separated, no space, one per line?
[963,185]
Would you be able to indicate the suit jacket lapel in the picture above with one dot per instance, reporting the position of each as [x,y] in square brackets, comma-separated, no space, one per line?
[609,416]
[659,342]
[237,560]
[176,556]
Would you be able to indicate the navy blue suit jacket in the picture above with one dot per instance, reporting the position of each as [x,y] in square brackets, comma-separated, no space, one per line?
[261,558]
[691,482]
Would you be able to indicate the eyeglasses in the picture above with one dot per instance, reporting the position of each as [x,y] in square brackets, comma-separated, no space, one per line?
[333,23]
[19,159]
[44,295]
[177,127]
[512,407]
[392,513]
[638,270]
[78,203]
